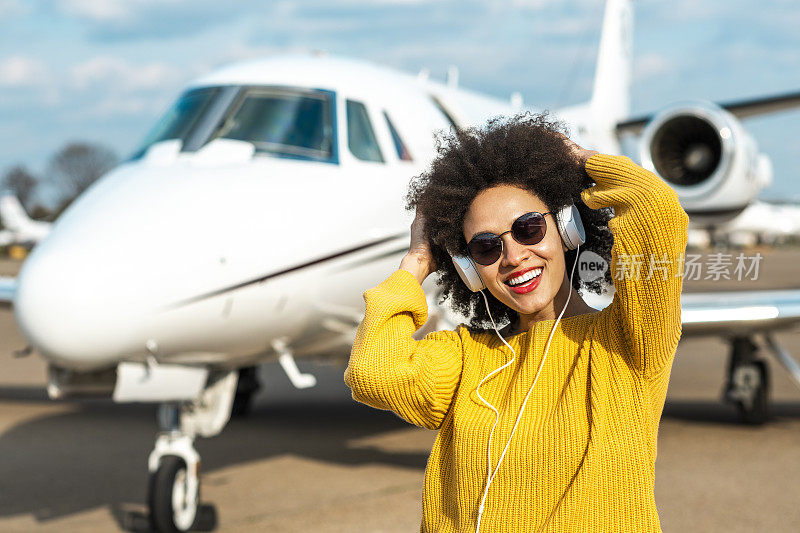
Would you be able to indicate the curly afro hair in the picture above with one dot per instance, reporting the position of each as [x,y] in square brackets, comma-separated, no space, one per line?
[525,151]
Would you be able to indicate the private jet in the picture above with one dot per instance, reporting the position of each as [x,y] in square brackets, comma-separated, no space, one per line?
[761,223]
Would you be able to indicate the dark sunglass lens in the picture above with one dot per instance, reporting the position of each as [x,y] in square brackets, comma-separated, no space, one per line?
[485,249]
[529,228]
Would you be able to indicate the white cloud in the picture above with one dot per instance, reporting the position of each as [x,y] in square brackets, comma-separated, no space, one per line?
[541,4]
[574,26]
[109,10]
[10,7]
[651,65]
[683,10]
[121,74]
[97,10]
[123,106]
[239,50]
[22,71]
[530,4]
[402,2]
[111,87]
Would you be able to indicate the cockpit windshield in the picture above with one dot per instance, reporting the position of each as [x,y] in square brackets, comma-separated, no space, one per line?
[284,122]
[179,120]
[280,121]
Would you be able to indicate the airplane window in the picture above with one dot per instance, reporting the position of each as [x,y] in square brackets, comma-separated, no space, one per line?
[179,120]
[360,135]
[399,145]
[284,122]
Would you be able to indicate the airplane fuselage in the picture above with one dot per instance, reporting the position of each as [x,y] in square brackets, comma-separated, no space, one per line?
[207,256]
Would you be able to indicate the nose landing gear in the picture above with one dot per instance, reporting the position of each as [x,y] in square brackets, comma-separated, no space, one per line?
[174,489]
[173,495]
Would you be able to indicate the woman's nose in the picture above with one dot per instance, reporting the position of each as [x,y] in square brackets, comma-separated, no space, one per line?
[513,252]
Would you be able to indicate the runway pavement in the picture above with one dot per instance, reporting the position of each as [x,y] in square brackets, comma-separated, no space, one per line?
[317,461]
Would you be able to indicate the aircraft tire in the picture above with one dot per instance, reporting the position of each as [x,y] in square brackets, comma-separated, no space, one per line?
[170,509]
[758,412]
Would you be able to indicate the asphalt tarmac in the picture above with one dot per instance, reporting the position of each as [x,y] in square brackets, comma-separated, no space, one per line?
[315,460]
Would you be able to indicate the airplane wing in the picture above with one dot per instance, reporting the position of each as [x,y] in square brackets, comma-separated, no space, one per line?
[739,313]
[741,109]
[7,288]
[728,313]
[739,316]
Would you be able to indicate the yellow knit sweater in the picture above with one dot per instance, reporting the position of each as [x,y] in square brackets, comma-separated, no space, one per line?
[583,456]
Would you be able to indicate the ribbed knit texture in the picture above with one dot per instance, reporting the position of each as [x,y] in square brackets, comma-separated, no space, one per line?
[583,457]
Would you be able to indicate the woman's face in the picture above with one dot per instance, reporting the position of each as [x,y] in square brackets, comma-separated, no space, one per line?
[493,211]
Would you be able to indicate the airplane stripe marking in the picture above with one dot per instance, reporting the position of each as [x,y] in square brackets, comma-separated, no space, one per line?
[280,273]
[368,260]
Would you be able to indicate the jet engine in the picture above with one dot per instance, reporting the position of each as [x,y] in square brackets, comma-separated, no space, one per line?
[707,156]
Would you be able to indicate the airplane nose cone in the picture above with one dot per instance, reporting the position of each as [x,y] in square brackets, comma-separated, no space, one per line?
[70,310]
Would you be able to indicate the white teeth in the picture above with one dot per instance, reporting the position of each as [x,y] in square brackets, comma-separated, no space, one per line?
[527,276]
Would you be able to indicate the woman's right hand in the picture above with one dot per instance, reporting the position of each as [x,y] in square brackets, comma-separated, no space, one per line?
[419,259]
[580,155]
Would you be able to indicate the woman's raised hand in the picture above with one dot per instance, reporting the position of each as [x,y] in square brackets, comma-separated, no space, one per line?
[419,259]
[580,154]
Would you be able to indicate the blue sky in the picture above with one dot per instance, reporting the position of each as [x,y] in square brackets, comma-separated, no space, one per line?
[104,70]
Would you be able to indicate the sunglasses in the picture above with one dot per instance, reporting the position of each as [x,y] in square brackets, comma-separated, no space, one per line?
[486,248]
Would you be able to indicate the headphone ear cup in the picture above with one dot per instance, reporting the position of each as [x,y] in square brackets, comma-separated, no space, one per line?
[570,226]
[468,272]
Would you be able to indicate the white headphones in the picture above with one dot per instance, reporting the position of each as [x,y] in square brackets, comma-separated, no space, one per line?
[570,227]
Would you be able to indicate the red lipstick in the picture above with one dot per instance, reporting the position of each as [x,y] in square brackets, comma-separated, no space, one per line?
[529,286]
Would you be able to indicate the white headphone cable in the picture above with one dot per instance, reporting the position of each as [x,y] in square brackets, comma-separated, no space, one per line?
[491,475]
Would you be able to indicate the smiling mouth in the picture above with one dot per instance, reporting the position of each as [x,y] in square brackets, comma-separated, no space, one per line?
[525,279]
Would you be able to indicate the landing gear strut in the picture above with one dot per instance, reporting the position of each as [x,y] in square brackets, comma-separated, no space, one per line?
[748,382]
[246,388]
[174,489]
[748,376]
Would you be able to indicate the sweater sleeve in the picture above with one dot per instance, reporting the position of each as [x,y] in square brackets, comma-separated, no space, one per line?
[389,369]
[650,237]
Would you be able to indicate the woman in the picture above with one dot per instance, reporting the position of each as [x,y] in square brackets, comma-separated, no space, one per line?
[551,426]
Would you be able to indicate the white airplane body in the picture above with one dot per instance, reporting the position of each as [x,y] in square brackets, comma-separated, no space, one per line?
[271,196]
[19,227]
[762,222]
[222,216]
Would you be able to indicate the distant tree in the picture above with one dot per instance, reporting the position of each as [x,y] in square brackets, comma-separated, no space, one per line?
[76,166]
[21,182]
[40,212]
